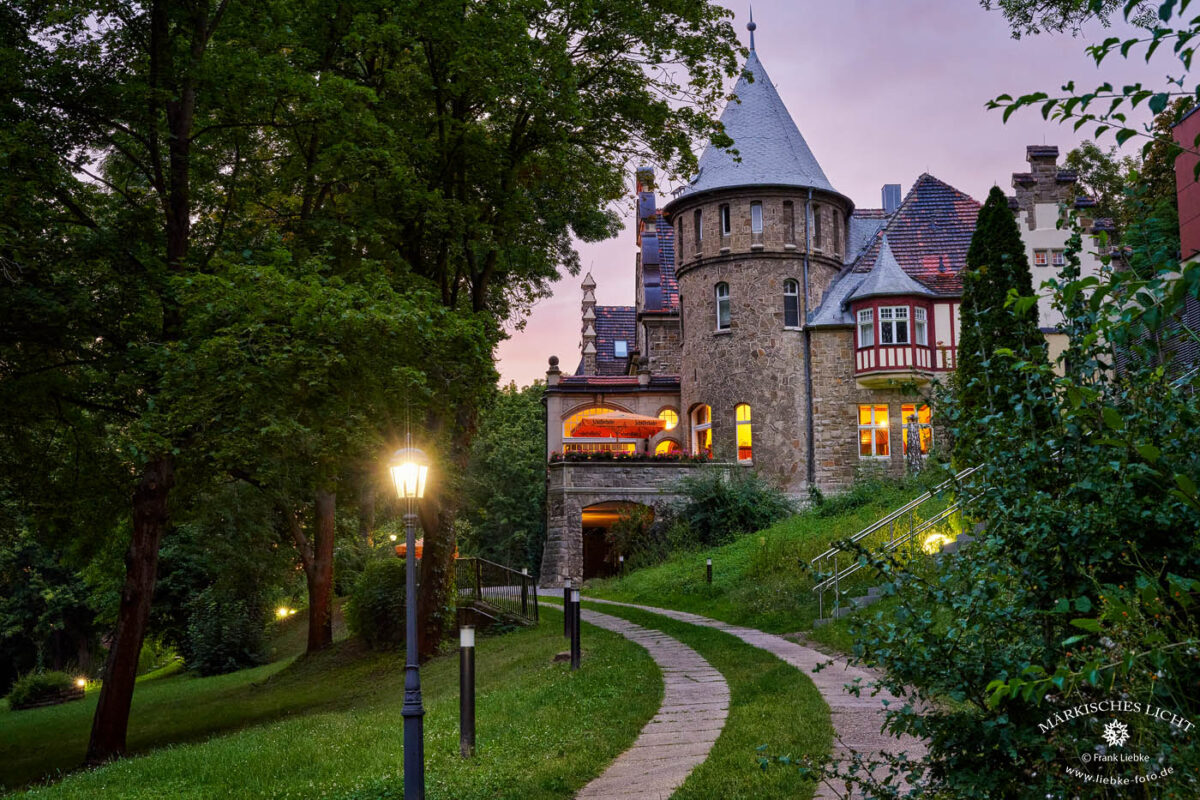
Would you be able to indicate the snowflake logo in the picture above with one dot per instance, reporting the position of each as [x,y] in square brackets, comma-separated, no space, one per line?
[1116,733]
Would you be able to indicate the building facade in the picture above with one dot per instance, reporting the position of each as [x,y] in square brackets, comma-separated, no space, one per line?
[775,326]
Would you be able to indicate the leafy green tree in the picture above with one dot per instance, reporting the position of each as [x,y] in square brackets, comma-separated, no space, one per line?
[505,482]
[1031,17]
[992,332]
[1104,177]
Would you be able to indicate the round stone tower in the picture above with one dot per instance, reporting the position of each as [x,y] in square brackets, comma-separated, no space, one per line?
[759,235]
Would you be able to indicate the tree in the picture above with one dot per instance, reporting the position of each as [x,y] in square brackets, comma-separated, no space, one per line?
[1031,17]
[1104,177]
[993,333]
[505,483]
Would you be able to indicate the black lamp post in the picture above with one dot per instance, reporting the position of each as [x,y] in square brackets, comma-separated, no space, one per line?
[410,469]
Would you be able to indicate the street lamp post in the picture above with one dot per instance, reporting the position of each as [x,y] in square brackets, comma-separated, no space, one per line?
[410,469]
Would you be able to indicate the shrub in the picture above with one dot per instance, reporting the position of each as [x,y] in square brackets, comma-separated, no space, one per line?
[637,536]
[375,609]
[37,686]
[720,504]
[224,633]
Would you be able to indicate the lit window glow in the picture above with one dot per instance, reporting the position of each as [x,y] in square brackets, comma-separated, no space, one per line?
[873,431]
[667,447]
[744,435]
[924,426]
[669,416]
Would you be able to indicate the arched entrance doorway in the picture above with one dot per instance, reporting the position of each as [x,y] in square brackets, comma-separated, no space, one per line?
[598,520]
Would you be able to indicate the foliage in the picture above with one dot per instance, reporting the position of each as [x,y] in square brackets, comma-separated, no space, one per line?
[631,536]
[720,504]
[1031,17]
[505,482]
[991,334]
[1103,175]
[225,633]
[1080,588]
[39,685]
[375,608]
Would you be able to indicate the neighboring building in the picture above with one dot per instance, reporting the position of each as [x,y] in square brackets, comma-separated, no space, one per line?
[775,326]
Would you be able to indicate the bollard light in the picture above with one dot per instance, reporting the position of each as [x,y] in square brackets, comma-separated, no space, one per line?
[466,690]
[575,629]
[567,608]
[621,569]
[708,569]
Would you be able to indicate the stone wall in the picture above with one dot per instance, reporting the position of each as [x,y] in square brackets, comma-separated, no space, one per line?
[664,344]
[573,486]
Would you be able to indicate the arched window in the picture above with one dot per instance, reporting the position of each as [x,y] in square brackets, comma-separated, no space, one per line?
[744,436]
[791,304]
[702,431]
[723,314]
[669,416]
[698,233]
[667,447]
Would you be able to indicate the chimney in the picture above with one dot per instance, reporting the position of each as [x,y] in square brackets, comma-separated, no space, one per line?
[891,198]
[589,325]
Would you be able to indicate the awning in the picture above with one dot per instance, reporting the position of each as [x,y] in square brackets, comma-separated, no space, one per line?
[619,424]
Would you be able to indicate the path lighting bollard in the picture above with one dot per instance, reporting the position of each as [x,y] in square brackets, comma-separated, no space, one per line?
[708,568]
[567,608]
[466,690]
[574,629]
[621,569]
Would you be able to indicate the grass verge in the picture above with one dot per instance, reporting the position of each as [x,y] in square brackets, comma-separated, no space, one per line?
[329,726]
[771,703]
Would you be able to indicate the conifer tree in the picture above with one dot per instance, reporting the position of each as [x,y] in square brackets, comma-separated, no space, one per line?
[996,263]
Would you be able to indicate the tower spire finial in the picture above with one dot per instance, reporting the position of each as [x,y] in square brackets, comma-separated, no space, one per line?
[750,26]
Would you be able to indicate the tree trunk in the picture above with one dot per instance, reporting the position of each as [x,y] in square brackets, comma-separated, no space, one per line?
[111,722]
[320,575]
[437,572]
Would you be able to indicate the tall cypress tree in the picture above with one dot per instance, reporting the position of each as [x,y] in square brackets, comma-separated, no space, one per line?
[996,263]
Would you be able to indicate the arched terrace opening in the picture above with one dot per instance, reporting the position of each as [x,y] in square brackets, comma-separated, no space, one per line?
[599,560]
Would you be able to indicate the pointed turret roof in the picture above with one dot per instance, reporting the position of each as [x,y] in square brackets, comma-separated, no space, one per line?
[887,278]
[771,149]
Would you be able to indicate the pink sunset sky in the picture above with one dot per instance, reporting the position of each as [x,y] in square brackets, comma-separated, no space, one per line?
[882,91]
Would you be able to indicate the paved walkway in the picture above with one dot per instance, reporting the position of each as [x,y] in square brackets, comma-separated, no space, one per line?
[677,740]
[857,721]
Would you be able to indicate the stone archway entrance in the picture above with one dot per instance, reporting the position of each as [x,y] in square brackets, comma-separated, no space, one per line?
[597,520]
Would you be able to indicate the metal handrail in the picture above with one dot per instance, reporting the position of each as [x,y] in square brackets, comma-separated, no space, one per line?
[496,588]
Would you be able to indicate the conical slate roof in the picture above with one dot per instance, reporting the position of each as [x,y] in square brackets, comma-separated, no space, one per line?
[887,278]
[772,151]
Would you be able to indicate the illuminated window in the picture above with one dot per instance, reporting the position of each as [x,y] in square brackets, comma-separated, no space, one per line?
[702,431]
[743,432]
[756,219]
[726,223]
[924,426]
[872,431]
[920,330]
[592,444]
[893,325]
[669,416]
[723,315]
[667,447]
[1039,258]
[866,328]
[791,304]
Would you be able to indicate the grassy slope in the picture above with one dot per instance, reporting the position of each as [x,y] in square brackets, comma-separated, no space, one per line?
[771,703]
[760,579]
[330,726]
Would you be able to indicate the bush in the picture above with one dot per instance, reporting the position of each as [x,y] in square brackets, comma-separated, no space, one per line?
[721,503]
[224,633]
[375,609]
[37,686]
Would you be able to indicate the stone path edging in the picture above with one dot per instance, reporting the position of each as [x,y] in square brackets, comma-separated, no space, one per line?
[679,737]
[857,721]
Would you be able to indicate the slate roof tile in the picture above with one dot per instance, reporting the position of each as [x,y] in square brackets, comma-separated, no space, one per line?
[666,267]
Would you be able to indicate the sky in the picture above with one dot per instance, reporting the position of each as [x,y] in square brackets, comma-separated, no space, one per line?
[882,90]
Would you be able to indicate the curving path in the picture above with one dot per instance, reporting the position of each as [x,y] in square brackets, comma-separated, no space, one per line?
[677,740]
[857,721]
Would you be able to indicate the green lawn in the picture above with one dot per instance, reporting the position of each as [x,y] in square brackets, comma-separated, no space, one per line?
[760,580]
[771,703]
[330,726]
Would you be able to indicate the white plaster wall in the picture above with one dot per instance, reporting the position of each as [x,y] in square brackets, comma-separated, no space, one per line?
[1047,236]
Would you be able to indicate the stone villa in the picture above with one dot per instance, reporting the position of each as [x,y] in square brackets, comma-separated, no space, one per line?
[775,326]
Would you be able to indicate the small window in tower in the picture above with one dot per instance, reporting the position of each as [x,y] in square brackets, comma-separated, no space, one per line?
[789,222]
[817,241]
[920,331]
[791,304]
[866,328]
[726,222]
[723,313]
[621,348]
[698,233]
[837,232]
[744,435]
[756,218]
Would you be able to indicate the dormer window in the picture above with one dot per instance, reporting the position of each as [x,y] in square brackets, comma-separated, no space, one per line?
[621,349]
[893,325]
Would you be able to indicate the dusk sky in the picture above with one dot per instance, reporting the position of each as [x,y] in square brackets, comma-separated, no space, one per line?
[883,91]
